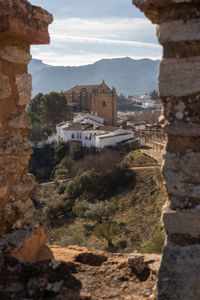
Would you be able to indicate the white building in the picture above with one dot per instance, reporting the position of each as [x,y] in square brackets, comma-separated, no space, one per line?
[113,138]
[91,136]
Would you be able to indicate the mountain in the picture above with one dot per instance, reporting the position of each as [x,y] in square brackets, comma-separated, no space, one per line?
[128,76]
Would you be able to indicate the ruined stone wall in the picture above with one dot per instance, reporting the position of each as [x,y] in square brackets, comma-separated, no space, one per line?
[20,25]
[179,86]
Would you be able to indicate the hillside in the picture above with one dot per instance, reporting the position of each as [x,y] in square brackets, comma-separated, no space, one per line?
[128,76]
[129,217]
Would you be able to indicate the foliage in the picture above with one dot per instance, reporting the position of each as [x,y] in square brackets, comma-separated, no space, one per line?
[49,109]
[156,243]
[34,117]
[84,184]
[106,230]
[126,104]
[54,109]
[60,152]
[137,158]
[154,95]
[42,162]
[36,133]
[94,211]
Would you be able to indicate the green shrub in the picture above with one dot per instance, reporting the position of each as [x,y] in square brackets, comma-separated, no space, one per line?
[156,243]
[106,230]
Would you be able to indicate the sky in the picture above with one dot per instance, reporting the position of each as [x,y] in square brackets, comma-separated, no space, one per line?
[85,31]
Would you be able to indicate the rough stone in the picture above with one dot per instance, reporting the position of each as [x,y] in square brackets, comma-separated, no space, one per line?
[180,280]
[21,120]
[182,178]
[23,185]
[184,222]
[3,186]
[15,55]
[180,30]
[183,129]
[179,77]
[24,87]
[5,87]
[144,265]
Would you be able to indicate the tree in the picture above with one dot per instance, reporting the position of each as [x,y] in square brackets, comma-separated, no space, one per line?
[54,109]
[50,109]
[154,95]
[99,210]
[106,230]
[83,185]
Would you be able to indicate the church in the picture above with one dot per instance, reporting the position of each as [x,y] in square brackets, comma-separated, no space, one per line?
[99,100]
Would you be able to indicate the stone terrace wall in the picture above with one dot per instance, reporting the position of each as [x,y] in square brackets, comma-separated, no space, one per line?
[179,84]
[21,24]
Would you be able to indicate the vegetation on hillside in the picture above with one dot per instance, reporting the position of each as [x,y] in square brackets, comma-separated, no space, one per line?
[102,204]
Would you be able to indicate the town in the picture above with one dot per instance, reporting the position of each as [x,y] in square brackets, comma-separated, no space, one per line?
[95,122]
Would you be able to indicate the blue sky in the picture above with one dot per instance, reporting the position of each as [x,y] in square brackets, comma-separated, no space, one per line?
[85,31]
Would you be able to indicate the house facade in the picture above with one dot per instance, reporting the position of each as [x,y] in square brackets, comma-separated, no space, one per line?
[90,136]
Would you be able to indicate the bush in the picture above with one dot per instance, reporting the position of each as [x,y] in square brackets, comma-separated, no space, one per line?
[61,188]
[100,210]
[83,185]
[80,208]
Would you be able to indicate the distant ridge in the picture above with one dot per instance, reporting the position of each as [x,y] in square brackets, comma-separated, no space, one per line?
[128,76]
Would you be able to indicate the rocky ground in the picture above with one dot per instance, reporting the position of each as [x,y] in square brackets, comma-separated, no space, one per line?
[72,273]
[111,276]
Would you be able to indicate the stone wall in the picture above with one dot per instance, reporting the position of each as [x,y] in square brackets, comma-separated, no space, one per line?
[20,25]
[178,31]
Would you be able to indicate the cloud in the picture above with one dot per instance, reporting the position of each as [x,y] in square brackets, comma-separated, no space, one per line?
[79,41]
[78,59]
[128,28]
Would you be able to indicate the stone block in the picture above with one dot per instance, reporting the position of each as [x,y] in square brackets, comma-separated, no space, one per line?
[186,222]
[24,87]
[5,87]
[179,77]
[24,21]
[176,31]
[183,129]
[182,173]
[15,55]
[178,277]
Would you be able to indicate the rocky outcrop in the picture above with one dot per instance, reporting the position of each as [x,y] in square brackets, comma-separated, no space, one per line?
[178,31]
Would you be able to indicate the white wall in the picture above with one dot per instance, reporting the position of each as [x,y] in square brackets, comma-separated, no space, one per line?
[112,140]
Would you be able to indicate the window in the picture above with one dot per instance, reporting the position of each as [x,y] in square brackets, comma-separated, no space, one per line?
[104,104]
[72,135]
